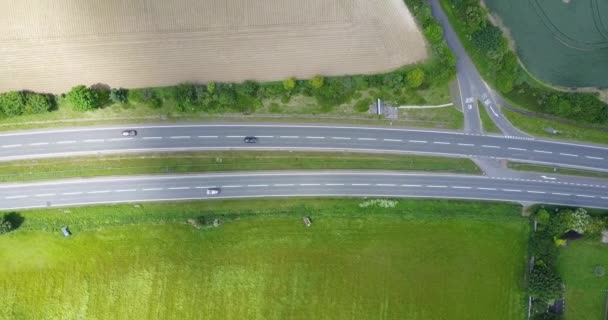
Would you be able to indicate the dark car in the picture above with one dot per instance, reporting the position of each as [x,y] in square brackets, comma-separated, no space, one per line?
[129,133]
[250,140]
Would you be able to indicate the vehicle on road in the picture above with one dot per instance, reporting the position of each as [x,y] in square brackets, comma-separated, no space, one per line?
[213,191]
[250,140]
[129,133]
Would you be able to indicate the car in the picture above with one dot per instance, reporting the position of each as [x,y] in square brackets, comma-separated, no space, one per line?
[213,191]
[129,133]
[250,140]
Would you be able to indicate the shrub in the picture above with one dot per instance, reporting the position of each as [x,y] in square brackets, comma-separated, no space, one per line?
[289,84]
[12,103]
[317,82]
[119,95]
[577,220]
[415,78]
[363,105]
[83,98]
[544,283]
[39,103]
[434,33]
[5,225]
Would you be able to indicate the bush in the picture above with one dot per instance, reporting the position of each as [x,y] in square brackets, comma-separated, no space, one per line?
[289,84]
[415,78]
[39,103]
[119,95]
[363,105]
[5,225]
[545,283]
[317,82]
[83,98]
[12,103]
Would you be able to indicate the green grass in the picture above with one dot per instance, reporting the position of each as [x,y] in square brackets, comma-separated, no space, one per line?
[419,260]
[585,293]
[155,163]
[486,122]
[549,169]
[537,127]
[443,118]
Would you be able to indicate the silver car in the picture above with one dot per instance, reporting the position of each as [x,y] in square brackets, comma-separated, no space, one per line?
[213,191]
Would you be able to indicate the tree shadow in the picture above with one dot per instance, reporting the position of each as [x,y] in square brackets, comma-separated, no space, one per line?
[15,218]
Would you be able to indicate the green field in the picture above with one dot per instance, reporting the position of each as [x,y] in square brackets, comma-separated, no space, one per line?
[486,122]
[585,293]
[188,162]
[560,42]
[419,260]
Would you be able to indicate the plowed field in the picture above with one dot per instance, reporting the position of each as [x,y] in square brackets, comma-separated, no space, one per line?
[52,45]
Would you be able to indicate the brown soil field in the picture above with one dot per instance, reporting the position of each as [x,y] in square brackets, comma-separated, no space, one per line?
[52,45]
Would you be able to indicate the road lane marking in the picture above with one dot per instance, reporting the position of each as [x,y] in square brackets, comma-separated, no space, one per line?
[315,137]
[101,191]
[152,138]
[39,144]
[265,136]
[180,137]
[119,139]
[511,190]
[257,185]
[208,137]
[459,187]
[11,146]
[71,193]
[367,139]
[433,186]
[595,158]
[205,187]
[466,144]
[418,141]
[45,195]
[179,188]
[232,186]
[360,184]
[93,140]
[489,189]
[492,147]
[125,190]
[15,197]
[66,142]
[543,151]
[560,194]
[152,189]
[239,137]
[411,185]
[584,196]
[334,184]
[393,140]
[289,137]
[441,142]
[538,192]
[340,138]
[309,184]
[385,185]
[568,154]
[517,149]
[283,185]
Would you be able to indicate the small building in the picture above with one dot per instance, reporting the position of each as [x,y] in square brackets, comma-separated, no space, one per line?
[66,232]
[307,221]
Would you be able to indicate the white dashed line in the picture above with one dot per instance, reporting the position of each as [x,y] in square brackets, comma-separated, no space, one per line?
[265,136]
[560,194]
[180,137]
[205,187]
[121,139]
[393,140]
[125,190]
[411,185]
[489,189]
[239,137]
[466,144]
[543,151]
[11,146]
[441,142]
[360,184]
[367,139]
[595,158]
[232,186]
[459,187]
[179,188]
[289,137]
[511,190]
[71,193]
[94,140]
[436,186]
[537,192]
[15,197]
[152,189]
[40,144]
[334,184]
[283,185]
[418,141]
[584,196]
[315,137]
[97,192]
[45,195]
[568,154]
[208,137]
[152,138]
[517,149]
[491,147]
[257,185]
[309,184]
[66,142]
[385,185]
[340,138]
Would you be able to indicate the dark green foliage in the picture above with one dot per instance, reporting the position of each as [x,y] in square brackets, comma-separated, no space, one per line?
[16,103]
[488,39]
[544,282]
[433,32]
[415,78]
[39,103]
[363,105]
[83,98]
[12,103]
[247,88]
[5,224]
[119,95]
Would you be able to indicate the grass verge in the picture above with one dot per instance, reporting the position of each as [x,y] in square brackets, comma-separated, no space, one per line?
[539,127]
[486,122]
[586,295]
[557,170]
[442,118]
[157,163]
[417,260]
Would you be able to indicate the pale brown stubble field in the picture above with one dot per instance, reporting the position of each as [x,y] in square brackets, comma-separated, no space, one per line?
[52,45]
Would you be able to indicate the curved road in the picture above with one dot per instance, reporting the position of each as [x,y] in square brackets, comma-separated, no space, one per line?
[153,138]
[304,183]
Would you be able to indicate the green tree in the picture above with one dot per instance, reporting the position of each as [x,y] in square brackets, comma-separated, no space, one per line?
[289,84]
[247,88]
[83,98]
[544,283]
[38,103]
[317,82]
[119,95]
[5,225]
[12,103]
[211,87]
[434,33]
[577,220]
[543,217]
[415,78]
[488,39]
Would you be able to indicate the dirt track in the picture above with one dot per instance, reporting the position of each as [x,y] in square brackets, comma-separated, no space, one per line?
[52,45]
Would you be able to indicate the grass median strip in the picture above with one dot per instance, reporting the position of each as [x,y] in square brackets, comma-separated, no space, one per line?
[488,125]
[556,170]
[368,256]
[158,163]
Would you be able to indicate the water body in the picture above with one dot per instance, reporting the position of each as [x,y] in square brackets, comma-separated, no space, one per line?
[562,42]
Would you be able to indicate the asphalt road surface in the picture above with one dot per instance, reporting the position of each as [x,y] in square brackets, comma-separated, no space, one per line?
[90,141]
[304,183]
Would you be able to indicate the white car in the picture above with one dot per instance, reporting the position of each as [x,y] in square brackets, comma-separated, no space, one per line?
[213,191]
[129,133]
